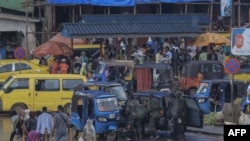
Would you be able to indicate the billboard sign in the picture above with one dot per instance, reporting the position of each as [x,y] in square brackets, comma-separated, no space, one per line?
[240,43]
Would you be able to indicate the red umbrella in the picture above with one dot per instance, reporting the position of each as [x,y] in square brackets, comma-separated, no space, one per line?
[52,48]
[59,38]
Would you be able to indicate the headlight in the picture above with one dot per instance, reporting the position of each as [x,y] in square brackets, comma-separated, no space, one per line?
[102,119]
[202,100]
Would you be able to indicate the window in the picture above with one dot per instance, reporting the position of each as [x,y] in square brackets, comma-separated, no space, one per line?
[6,68]
[70,84]
[21,66]
[203,88]
[216,68]
[118,91]
[22,83]
[205,68]
[107,104]
[47,85]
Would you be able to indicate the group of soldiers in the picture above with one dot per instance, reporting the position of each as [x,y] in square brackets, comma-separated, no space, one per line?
[145,115]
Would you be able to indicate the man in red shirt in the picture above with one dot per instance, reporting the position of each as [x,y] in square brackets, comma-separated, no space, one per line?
[55,66]
[63,67]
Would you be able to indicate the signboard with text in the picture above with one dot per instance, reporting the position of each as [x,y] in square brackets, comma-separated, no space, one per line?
[240,43]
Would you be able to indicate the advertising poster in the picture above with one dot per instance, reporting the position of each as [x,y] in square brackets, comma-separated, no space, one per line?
[225,7]
[240,43]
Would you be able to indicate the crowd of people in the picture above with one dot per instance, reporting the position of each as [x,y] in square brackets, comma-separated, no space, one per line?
[171,51]
[39,125]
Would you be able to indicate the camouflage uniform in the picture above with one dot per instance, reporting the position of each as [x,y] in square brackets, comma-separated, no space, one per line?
[176,115]
[131,116]
[153,108]
[136,112]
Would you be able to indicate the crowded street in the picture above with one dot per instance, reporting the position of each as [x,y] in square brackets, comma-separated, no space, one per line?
[5,130]
[124,70]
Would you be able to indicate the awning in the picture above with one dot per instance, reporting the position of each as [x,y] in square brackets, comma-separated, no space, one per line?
[125,30]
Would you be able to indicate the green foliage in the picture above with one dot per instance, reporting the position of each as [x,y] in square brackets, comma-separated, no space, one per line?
[210,118]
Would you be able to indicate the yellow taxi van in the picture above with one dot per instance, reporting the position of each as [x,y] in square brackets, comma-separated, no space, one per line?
[33,91]
[14,66]
[243,74]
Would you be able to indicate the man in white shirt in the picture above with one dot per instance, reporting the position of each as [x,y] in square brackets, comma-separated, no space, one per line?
[168,54]
[44,125]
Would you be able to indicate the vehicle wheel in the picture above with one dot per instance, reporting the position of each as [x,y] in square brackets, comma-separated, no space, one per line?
[17,106]
[74,133]
[66,109]
[111,136]
[192,91]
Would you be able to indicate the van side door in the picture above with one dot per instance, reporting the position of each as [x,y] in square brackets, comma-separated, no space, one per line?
[17,92]
[47,93]
[194,115]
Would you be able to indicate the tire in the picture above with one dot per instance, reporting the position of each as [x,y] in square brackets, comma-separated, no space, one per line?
[17,106]
[74,133]
[192,91]
[67,109]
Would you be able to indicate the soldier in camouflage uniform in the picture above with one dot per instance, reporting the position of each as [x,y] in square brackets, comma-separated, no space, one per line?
[176,115]
[153,108]
[131,115]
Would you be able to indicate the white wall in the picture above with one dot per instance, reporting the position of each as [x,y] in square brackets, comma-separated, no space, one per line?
[15,25]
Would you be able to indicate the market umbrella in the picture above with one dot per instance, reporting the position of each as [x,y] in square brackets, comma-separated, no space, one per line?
[52,48]
[59,38]
[208,38]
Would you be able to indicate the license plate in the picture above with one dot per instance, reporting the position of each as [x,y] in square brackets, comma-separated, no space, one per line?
[111,115]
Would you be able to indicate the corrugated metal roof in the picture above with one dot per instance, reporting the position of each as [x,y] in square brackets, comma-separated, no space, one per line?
[200,19]
[110,30]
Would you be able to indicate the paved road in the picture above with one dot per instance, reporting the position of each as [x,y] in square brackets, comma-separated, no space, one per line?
[5,130]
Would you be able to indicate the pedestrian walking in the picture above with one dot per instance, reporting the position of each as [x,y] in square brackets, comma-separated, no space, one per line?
[44,125]
[61,122]
[14,116]
[19,126]
[89,131]
[31,124]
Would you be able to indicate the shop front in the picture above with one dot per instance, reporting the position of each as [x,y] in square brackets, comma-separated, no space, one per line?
[12,35]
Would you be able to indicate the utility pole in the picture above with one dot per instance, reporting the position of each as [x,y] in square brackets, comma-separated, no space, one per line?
[232,14]
[26,28]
